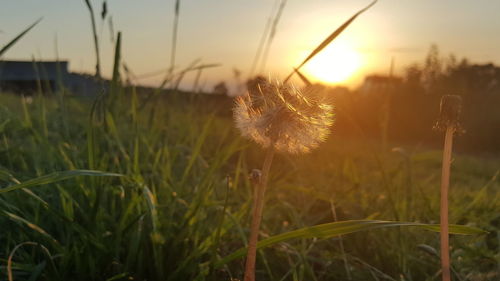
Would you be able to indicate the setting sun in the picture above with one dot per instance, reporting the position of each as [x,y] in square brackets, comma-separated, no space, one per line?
[335,64]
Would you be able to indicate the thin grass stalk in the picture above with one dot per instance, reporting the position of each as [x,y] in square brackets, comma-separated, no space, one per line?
[13,41]
[115,97]
[341,243]
[219,228]
[96,39]
[174,35]
[303,78]
[46,252]
[197,80]
[7,151]
[272,34]
[262,40]
[27,116]
[44,76]
[386,109]
[60,90]
[183,72]
[39,96]
[330,38]
[445,182]
[258,206]
[199,70]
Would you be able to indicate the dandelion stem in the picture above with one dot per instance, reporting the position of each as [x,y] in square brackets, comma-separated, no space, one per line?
[258,206]
[445,182]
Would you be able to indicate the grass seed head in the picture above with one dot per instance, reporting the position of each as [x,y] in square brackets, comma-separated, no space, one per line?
[282,116]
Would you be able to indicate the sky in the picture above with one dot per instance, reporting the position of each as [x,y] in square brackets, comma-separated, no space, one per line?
[228,32]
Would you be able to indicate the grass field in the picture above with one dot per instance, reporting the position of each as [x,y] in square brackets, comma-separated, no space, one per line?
[184,199]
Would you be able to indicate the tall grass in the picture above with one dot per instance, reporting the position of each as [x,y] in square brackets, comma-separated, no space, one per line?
[108,225]
[11,43]
[163,220]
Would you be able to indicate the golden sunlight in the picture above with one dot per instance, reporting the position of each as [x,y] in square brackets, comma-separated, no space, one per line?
[335,64]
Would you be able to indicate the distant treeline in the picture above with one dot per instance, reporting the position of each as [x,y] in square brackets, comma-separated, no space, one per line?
[404,110]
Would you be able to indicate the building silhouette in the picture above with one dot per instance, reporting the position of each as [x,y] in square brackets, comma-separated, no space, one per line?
[28,77]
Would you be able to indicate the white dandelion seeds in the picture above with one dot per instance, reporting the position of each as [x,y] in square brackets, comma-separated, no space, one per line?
[282,116]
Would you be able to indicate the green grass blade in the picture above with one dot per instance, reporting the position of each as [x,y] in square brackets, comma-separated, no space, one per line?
[341,228]
[330,38]
[13,41]
[334,35]
[197,149]
[454,229]
[116,68]
[204,66]
[57,177]
[31,225]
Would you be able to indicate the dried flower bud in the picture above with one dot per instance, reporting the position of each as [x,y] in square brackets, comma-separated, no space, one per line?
[449,116]
[279,115]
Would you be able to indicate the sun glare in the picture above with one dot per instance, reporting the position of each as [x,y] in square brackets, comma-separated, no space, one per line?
[335,64]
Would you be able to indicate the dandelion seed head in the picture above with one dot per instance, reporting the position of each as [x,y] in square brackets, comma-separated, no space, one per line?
[282,116]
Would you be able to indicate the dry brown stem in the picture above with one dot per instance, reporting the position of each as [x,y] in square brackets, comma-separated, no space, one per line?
[445,182]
